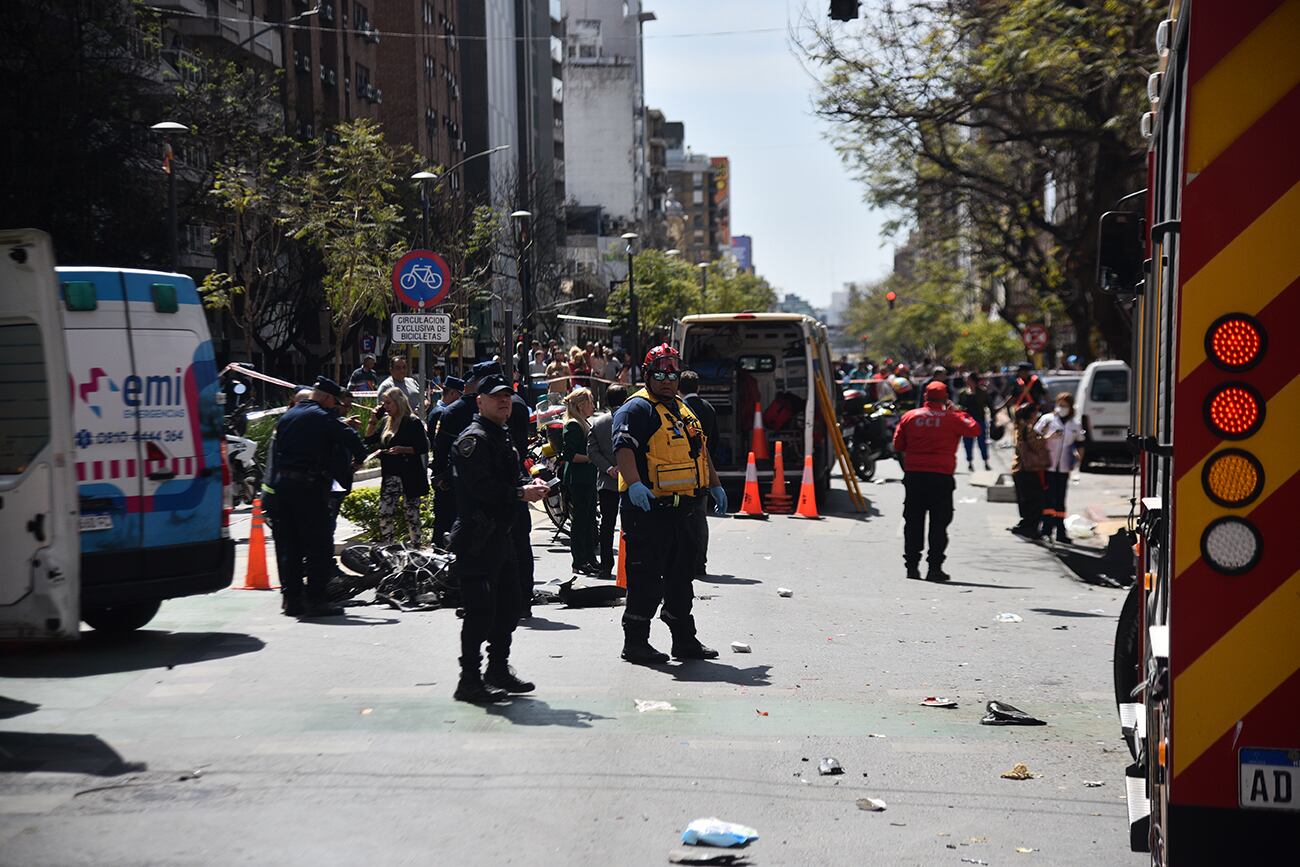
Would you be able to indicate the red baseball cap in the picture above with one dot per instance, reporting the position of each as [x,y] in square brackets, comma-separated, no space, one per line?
[936,391]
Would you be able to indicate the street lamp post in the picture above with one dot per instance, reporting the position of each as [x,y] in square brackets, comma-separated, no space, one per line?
[521,220]
[704,281]
[633,314]
[168,127]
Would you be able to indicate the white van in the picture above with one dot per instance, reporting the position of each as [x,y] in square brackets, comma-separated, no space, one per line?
[129,404]
[769,359]
[1103,405]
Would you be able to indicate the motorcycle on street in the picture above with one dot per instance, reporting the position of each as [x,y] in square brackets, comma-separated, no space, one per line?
[868,429]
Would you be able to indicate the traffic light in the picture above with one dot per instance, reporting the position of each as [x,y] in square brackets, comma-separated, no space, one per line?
[844,10]
[891,297]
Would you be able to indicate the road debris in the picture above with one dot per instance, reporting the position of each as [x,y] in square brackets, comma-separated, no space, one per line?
[973,861]
[1094,784]
[1008,617]
[933,701]
[695,856]
[715,832]
[785,592]
[1020,771]
[741,647]
[643,705]
[367,711]
[871,805]
[760,712]
[1060,628]
[829,766]
[1002,714]
[873,735]
[1025,850]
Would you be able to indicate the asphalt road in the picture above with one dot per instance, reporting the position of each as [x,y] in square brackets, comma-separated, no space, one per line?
[228,734]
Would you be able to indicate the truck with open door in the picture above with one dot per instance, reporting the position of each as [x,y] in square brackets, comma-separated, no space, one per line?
[768,360]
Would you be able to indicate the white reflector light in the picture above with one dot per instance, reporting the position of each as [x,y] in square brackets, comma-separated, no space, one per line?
[1231,545]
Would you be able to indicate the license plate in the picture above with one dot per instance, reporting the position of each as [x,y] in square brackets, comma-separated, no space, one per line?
[1268,779]
[1111,433]
[96,522]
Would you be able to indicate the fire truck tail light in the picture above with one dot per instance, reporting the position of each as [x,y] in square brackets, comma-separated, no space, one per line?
[1234,410]
[1231,546]
[1235,342]
[1233,478]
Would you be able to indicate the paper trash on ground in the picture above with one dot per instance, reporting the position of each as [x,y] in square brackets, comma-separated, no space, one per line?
[715,832]
[643,705]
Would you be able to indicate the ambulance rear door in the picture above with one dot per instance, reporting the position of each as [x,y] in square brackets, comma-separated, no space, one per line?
[40,580]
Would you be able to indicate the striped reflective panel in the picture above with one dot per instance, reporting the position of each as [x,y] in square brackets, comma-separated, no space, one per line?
[1234,654]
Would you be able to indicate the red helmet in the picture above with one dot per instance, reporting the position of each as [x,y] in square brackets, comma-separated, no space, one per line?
[660,352]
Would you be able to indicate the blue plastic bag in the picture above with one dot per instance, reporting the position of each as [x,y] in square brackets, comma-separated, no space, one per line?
[715,832]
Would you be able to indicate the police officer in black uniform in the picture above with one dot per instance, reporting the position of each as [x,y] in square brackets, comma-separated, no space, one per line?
[302,461]
[451,423]
[444,501]
[489,488]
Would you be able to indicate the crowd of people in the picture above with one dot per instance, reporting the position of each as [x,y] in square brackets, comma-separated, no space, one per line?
[643,463]
[637,458]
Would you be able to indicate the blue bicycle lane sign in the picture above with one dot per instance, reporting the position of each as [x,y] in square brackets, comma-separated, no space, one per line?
[421,279]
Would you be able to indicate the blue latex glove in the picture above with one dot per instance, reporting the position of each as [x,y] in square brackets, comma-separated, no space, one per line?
[639,494]
[719,500]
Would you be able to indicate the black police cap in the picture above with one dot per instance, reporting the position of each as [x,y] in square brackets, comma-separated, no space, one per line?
[494,384]
[329,386]
[485,368]
[454,382]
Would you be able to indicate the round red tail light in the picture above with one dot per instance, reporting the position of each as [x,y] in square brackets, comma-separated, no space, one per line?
[1235,342]
[1234,410]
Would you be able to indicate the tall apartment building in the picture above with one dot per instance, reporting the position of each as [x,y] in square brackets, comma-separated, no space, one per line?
[421,73]
[331,63]
[605,121]
[692,180]
[539,63]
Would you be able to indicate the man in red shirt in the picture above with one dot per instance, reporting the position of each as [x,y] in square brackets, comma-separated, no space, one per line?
[926,439]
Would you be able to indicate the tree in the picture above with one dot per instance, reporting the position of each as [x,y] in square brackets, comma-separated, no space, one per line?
[731,290]
[666,290]
[349,208]
[1009,123]
[80,161]
[923,324]
[987,344]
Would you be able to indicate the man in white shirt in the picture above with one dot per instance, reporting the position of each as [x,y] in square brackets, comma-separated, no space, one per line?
[397,369]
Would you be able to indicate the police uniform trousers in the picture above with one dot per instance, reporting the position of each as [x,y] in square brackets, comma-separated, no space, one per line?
[700,524]
[661,558]
[927,494]
[489,593]
[444,514]
[304,539]
[521,537]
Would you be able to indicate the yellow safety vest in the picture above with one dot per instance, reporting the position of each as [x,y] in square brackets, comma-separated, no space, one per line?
[672,467]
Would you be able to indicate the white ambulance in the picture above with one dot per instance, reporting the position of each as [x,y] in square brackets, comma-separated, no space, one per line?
[108,384]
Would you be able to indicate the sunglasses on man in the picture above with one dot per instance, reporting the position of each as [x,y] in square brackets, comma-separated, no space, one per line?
[661,375]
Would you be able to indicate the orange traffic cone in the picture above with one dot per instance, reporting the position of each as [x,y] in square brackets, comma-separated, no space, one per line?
[751,506]
[256,577]
[760,436]
[621,581]
[807,493]
[778,502]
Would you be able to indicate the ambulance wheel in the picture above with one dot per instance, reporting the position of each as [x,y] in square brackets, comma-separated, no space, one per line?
[120,619]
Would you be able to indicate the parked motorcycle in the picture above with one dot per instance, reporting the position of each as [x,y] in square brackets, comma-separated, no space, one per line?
[241,453]
[868,430]
[545,461]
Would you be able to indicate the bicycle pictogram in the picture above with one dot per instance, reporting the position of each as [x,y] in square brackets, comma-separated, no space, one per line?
[426,275]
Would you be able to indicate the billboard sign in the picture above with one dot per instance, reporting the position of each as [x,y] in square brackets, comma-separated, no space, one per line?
[722,199]
[742,249]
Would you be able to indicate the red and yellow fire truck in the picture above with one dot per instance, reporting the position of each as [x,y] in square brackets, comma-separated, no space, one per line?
[1207,657]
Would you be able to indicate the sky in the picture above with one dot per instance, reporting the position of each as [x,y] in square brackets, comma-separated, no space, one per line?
[746,96]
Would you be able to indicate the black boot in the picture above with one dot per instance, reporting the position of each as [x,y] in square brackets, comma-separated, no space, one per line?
[471,688]
[502,676]
[689,647]
[913,571]
[685,644]
[291,604]
[937,574]
[636,645]
[320,608]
